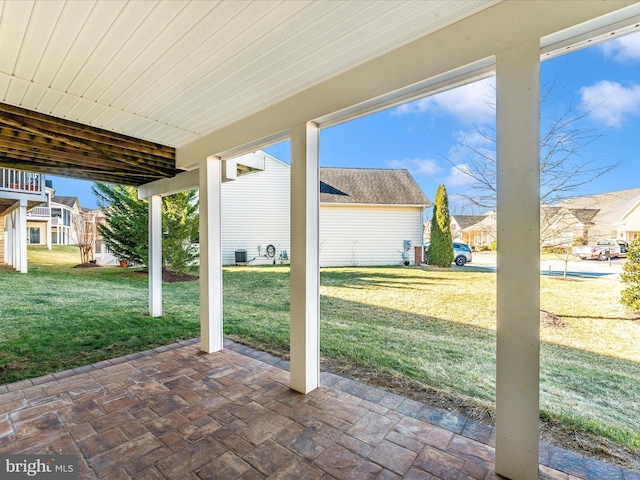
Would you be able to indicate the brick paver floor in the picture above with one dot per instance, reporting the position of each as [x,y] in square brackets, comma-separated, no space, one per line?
[177,413]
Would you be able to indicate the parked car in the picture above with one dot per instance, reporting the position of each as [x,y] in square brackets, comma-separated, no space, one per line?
[624,246]
[461,253]
[602,250]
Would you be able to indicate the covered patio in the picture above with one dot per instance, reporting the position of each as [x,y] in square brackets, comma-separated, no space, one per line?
[175,413]
[202,83]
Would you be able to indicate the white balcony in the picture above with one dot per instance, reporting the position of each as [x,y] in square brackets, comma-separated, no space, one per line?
[17,181]
[39,212]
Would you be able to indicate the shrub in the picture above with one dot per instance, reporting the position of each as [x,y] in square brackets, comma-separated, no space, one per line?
[441,246]
[631,277]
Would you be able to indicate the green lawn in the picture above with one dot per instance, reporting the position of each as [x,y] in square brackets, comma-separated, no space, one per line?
[434,326]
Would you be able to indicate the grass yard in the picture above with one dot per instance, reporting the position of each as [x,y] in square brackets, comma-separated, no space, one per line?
[434,326]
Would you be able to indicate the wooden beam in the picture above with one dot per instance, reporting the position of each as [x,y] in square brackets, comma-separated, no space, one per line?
[78,130]
[95,150]
[38,146]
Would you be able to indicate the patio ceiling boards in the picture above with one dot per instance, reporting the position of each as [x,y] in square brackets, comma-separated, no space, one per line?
[171,72]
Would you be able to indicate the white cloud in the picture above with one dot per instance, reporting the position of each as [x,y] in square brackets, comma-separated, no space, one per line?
[623,49]
[459,175]
[610,102]
[471,103]
[416,166]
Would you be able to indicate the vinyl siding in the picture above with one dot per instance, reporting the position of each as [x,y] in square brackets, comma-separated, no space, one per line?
[367,235]
[255,211]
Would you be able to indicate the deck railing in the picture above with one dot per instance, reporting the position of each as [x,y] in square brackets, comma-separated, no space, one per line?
[39,212]
[21,182]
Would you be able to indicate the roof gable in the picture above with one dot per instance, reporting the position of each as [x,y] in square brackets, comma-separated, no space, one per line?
[66,201]
[370,186]
[465,221]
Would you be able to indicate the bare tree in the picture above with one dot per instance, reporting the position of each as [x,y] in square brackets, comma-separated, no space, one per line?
[563,168]
[85,225]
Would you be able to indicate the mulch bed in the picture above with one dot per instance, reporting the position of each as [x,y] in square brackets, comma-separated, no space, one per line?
[172,277]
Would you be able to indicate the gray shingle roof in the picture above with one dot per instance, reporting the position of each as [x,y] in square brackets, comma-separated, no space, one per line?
[467,220]
[67,201]
[370,186]
[611,206]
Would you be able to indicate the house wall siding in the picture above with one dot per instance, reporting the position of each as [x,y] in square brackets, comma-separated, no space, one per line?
[630,229]
[367,235]
[255,211]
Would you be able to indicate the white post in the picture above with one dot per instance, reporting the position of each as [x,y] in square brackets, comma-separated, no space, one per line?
[8,239]
[21,237]
[518,283]
[210,183]
[155,256]
[305,270]
[49,234]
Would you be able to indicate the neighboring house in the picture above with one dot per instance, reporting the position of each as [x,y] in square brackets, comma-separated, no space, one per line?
[52,223]
[474,230]
[30,213]
[20,192]
[101,253]
[365,215]
[608,215]
[603,215]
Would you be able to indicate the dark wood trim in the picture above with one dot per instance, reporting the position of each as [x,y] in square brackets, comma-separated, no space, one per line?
[42,143]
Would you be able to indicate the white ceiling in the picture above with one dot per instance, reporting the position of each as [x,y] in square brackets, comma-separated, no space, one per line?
[172,71]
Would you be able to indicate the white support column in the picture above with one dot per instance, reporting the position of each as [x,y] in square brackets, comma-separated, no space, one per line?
[305,270]
[210,255]
[49,234]
[518,303]
[8,239]
[155,256]
[21,237]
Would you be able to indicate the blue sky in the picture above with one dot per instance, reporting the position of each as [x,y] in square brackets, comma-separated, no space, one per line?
[602,82]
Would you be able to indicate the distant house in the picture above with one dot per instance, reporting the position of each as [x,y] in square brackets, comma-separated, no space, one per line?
[20,192]
[588,218]
[52,222]
[616,214]
[366,215]
[474,230]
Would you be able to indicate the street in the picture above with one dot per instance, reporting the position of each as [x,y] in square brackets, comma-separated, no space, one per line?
[554,265]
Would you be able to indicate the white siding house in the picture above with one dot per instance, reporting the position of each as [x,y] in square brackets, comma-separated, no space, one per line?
[365,215]
[255,213]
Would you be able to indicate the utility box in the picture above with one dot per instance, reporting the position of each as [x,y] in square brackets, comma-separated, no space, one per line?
[241,256]
[407,244]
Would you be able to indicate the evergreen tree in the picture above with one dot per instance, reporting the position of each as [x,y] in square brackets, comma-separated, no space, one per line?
[631,277]
[126,232]
[180,222]
[440,250]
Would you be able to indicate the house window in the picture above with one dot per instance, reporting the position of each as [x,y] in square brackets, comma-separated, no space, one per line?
[34,235]
[67,218]
[54,238]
